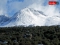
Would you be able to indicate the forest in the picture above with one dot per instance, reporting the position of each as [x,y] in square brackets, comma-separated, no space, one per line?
[38,35]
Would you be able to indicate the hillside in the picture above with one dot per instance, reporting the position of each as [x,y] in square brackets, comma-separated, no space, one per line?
[46,35]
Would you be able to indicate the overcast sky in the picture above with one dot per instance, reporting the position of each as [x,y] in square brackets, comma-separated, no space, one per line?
[9,7]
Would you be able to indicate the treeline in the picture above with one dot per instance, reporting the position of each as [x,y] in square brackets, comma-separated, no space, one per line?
[44,35]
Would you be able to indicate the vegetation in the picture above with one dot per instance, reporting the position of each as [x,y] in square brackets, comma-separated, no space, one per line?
[46,35]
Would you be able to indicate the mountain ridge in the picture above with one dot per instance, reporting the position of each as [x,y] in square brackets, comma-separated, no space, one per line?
[30,16]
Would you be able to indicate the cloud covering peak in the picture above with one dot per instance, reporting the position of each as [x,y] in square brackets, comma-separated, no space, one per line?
[9,7]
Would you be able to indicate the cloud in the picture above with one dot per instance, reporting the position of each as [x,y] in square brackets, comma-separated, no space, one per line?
[12,6]
[6,8]
[15,6]
[50,10]
[9,1]
[3,7]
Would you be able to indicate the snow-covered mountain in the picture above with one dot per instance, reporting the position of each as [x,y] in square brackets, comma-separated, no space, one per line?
[29,16]
[3,19]
[26,17]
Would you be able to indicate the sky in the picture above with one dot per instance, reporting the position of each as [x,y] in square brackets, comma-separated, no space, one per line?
[10,7]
